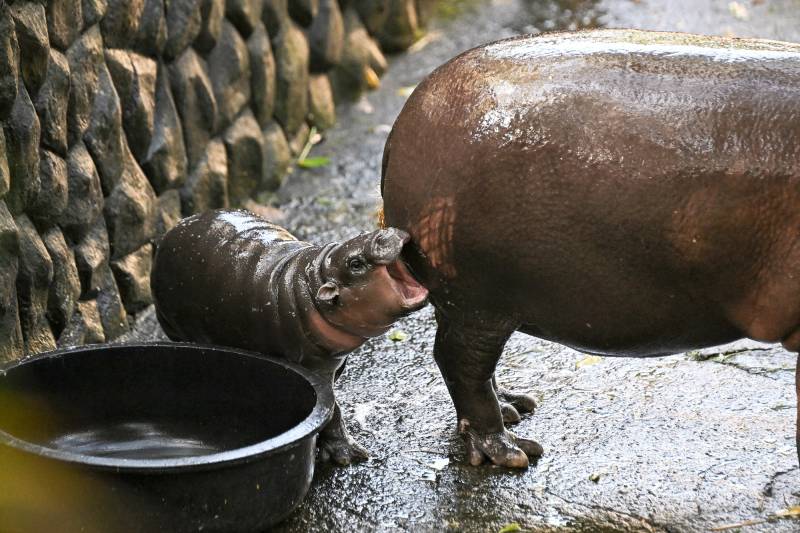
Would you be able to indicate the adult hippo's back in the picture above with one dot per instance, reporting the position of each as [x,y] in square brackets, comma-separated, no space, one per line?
[621,192]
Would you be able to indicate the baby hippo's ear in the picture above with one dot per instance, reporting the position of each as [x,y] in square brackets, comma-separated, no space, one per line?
[328,292]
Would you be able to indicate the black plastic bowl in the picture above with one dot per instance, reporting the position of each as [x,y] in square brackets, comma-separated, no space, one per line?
[156,437]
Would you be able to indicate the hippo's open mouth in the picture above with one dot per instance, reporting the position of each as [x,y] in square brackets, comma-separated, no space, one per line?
[411,292]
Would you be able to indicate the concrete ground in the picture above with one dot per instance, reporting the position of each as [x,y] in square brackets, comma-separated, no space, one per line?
[688,443]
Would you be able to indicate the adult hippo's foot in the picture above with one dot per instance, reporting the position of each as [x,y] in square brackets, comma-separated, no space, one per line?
[336,444]
[502,448]
[512,404]
[467,350]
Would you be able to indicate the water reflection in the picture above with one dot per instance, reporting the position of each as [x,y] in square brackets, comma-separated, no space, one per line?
[558,15]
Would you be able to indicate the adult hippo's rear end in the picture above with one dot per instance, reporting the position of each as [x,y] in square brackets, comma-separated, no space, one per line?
[620,192]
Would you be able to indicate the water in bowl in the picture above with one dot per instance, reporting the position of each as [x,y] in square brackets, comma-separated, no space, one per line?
[135,440]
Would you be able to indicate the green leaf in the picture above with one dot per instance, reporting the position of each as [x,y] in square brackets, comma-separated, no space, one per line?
[510,528]
[314,162]
[398,335]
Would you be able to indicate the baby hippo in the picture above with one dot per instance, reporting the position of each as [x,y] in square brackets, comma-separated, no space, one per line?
[231,278]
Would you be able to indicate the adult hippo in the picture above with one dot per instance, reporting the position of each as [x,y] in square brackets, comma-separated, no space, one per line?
[229,277]
[622,192]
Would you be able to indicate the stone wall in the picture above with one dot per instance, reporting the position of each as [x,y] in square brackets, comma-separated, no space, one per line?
[120,116]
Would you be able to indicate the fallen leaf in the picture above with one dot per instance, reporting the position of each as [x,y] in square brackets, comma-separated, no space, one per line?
[738,10]
[371,78]
[428,476]
[589,360]
[595,477]
[314,162]
[398,335]
[510,528]
[406,91]
[438,464]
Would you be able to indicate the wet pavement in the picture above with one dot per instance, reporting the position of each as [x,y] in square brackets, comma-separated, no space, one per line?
[688,442]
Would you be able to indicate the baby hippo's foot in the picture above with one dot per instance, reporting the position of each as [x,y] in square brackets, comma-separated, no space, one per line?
[337,446]
[502,448]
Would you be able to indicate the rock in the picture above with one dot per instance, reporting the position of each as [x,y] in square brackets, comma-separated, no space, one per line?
[84,196]
[303,11]
[229,68]
[152,35]
[321,107]
[183,26]
[103,136]
[275,14]
[207,186]
[425,11]
[66,286]
[373,13]
[121,22]
[11,344]
[326,36]
[5,176]
[211,12]
[52,102]
[362,61]
[132,273]
[262,74]
[194,98]
[244,146]
[85,58]
[22,134]
[84,327]
[33,282]
[245,14]
[168,211]
[93,11]
[91,255]
[277,157]
[54,186]
[135,81]
[130,210]
[401,27]
[109,305]
[165,163]
[291,74]
[298,141]
[9,62]
[34,45]
[64,22]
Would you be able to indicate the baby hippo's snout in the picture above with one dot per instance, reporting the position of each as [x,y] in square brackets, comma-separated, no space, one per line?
[386,246]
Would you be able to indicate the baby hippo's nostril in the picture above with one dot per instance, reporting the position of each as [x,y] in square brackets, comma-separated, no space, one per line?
[387,244]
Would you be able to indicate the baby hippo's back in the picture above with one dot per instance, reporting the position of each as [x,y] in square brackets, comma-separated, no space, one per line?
[213,275]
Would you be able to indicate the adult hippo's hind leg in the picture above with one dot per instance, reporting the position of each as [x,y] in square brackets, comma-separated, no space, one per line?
[467,351]
[513,403]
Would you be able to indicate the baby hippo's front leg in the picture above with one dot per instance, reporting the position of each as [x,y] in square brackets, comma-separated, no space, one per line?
[336,444]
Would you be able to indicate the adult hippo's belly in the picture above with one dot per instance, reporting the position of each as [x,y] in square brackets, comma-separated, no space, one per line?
[620,192]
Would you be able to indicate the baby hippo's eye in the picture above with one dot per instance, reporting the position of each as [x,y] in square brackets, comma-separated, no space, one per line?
[356,264]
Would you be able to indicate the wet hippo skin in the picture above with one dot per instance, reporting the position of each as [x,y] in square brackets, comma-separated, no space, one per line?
[231,278]
[621,192]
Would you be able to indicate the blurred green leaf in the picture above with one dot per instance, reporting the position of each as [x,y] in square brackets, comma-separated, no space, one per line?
[314,162]
[398,335]
[510,528]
